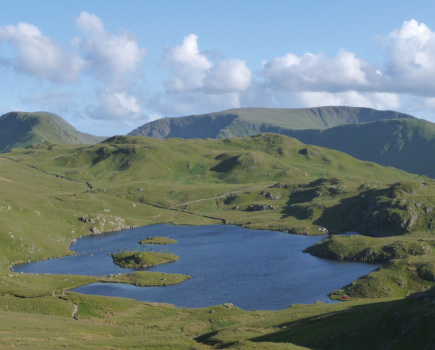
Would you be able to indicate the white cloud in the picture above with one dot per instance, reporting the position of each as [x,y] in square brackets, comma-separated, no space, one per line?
[197,85]
[191,70]
[228,75]
[186,65]
[315,73]
[115,105]
[39,55]
[108,55]
[349,98]
[411,59]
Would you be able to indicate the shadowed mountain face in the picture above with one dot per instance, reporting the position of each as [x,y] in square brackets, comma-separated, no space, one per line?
[407,144]
[250,121]
[21,129]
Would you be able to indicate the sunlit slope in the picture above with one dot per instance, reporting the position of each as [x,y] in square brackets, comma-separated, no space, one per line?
[250,121]
[40,214]
[407,144]
[265,181]
[21,129]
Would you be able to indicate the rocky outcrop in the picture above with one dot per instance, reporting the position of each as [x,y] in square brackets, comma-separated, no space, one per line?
[105,223]
[270,196]
[261,207]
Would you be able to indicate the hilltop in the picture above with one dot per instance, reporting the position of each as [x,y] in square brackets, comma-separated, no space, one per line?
[250,121]
[21,129]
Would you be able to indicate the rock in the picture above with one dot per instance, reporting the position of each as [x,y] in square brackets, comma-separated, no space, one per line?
[95,231]
[270,196]
[261,207]
[308,153]
[140,189]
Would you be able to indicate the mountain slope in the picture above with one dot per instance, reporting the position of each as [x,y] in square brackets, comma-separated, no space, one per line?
[407,144]
[21,129]
[250,121]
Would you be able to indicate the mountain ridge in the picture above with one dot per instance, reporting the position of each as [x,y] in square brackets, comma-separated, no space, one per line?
[243,122]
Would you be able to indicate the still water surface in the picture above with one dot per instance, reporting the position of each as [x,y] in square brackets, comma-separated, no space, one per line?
[262,270]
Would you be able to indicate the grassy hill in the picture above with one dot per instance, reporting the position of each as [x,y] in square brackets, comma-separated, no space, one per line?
[250,121]
[52,194]
[407,144]
[21,129]
[264,181]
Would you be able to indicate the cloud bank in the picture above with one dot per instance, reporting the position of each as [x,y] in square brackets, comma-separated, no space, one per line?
[112,65]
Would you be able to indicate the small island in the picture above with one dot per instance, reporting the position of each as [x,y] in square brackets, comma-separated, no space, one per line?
[145,278]
[142,259]
[158,240]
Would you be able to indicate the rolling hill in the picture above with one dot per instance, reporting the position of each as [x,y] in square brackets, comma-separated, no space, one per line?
[21,129]
[407,144]
[266,181]
[250,121]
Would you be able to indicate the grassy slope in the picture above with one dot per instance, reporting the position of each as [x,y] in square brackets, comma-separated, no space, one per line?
[407,144]
[250,121]
[21,129]
[40,215]
[119,323]
[313,186]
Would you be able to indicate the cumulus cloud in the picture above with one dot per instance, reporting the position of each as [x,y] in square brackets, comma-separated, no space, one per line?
[39,55]
[411,58]
[190,70]
[312,72]
[109,55]
[115,105]
[196,84]
[352,98]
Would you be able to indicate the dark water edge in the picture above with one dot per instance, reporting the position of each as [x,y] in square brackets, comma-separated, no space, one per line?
[264,270]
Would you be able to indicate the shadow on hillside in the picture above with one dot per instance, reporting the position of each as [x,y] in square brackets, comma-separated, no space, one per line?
[393,324]
[365,212]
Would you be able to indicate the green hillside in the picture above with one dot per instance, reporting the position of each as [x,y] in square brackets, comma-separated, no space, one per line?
[53,194]
[21,129]
[407,144]
[250,121]
[264,181]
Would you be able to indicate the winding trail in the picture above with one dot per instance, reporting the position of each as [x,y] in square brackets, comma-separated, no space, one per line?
[59,176]
[221,196]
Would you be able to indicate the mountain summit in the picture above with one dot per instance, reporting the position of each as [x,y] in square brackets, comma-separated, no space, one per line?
[21,129]
[250,121]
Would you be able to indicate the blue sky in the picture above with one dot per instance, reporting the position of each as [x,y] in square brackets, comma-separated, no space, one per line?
[110,66]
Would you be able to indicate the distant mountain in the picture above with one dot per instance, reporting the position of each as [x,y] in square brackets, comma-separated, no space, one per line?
[250,121]
[407,144]
[21,129]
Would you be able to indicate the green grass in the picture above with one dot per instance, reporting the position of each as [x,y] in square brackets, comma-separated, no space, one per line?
[146,278]
[157,240]
[138,181]
[143,259]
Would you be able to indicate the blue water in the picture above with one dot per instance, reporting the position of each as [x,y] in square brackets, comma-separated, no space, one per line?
[262,270]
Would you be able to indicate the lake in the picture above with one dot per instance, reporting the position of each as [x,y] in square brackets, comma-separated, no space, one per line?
[263,270]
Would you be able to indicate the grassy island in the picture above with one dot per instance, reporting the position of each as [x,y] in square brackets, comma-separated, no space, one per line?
[146,278]
[142,259]
[158,240]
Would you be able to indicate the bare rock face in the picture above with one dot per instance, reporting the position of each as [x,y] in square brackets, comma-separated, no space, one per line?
[261,207]
[105,223]
[270,196]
